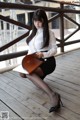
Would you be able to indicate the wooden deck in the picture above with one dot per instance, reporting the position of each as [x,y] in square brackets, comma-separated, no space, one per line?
[25,101]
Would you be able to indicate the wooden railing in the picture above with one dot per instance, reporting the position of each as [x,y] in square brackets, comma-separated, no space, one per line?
[59,13]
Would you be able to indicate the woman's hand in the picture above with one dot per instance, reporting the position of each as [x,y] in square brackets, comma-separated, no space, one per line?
[39,54]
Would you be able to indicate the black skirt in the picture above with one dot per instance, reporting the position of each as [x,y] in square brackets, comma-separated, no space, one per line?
[48,66]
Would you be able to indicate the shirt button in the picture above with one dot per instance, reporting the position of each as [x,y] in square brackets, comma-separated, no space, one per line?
[45,59]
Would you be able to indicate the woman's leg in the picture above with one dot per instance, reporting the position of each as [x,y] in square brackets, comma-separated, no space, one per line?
[38,71]
[39,82]
[36,79]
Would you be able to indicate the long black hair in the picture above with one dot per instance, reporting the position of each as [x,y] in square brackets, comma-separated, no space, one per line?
[40,15]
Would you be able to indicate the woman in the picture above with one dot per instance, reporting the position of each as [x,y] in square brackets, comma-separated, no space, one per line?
[42,42]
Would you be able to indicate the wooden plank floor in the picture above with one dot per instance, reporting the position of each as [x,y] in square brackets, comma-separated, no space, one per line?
[25,101]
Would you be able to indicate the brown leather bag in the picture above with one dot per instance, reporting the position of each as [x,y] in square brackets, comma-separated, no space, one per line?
[31,63]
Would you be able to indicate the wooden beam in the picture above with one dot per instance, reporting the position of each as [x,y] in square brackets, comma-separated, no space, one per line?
[14,41]
[12,55]
[14,22]
[32,8]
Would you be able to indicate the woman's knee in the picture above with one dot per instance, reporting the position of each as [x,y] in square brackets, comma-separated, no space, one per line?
[39,72]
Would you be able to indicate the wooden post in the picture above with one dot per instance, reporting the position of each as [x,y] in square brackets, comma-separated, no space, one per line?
[13,33]
[0,34]
[78,15]
[5,38]
[62,29]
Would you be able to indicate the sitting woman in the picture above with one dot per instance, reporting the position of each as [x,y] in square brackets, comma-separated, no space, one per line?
[42,42]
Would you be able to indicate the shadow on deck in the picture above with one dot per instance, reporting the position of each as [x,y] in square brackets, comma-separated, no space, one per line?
[24,101]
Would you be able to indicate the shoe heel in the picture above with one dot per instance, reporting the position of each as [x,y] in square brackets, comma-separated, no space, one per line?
[60,101]
[58,106]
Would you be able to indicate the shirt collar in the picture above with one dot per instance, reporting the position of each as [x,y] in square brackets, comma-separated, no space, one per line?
[39,30]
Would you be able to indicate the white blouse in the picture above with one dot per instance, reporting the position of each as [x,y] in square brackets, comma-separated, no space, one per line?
[35,45]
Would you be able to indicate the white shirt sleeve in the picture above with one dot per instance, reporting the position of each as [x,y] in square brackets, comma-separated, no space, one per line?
[52,46]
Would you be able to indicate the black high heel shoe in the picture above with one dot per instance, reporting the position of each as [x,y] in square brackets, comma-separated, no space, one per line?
[57,107]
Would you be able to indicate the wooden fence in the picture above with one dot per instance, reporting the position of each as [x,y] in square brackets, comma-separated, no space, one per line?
[59,13]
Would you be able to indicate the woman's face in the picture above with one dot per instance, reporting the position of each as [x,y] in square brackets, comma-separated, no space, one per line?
[38,24]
